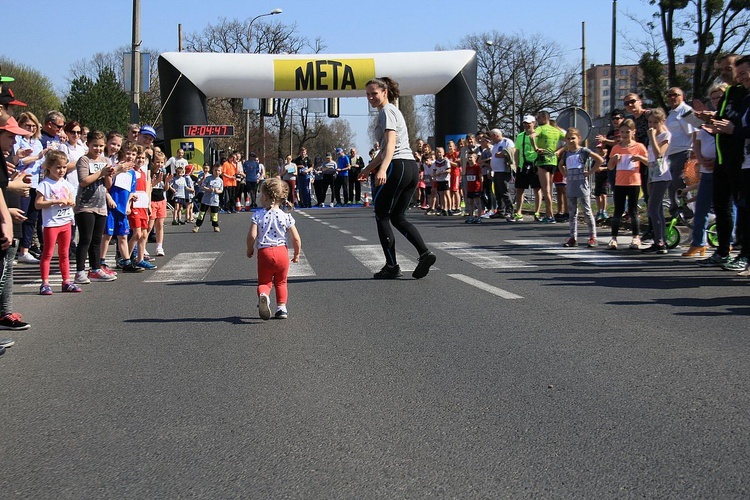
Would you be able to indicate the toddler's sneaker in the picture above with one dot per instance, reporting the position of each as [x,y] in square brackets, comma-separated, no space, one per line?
[264,309]
[81,278]
[71,288]
[281,313]
[45,289]
[99,275]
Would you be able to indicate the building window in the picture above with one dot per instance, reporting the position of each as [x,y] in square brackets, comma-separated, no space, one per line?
[623,72]
[622,82]
[605,104]
[605,72]
[605,83]
[605,92]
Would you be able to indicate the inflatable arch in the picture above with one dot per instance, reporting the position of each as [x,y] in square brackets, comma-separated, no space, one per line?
[188,78]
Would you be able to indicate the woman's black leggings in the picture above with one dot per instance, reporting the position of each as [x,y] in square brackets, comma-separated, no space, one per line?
[90,229]
[391,201]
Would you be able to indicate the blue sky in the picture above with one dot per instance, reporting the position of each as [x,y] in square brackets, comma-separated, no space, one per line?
[346,27]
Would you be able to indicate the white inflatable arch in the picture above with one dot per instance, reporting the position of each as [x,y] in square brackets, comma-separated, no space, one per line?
[188,78]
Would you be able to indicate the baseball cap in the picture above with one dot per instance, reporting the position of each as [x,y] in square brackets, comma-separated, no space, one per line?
[529,119]
[7,98]
[339,151]
[148,130]
[9,124]
[253,155]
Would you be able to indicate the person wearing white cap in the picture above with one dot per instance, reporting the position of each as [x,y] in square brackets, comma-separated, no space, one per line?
[526,176]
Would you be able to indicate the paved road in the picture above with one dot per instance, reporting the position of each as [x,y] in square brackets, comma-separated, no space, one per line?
[517,369]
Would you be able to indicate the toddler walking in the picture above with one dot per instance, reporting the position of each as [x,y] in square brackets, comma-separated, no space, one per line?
[55,196]
[269,228]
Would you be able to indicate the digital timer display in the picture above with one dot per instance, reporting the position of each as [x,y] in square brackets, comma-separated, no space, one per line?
[208,130]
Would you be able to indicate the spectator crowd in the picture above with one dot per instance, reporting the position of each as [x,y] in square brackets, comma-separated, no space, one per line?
[79,188]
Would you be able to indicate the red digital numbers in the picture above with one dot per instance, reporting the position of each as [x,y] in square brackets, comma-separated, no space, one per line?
[208,130]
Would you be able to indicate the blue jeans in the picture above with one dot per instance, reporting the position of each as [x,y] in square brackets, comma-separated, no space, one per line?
[703,201]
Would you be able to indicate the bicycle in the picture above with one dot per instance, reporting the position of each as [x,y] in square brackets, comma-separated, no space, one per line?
[684,216]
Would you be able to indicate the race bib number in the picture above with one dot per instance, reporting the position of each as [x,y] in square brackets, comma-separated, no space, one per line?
[96,167]
[64,212]
[627,163]
[471,178]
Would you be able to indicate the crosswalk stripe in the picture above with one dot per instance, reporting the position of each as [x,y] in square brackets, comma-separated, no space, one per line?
[588,256]
[185,267]
[482,257]
[301,268]
[359,238]
[371,256]
[485,287]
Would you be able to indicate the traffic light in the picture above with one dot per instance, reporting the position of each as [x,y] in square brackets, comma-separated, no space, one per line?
[267,106]
[333,107]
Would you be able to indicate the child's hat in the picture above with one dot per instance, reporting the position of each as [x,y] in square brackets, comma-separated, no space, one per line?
[148,130]
[9,124]
[7,98]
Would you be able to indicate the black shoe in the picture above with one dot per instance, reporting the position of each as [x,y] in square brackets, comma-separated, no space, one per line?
[388,273]
[648,235]
[13,321]
[34,250]
[132,268]
[426,260]
[653,248]
[2,350]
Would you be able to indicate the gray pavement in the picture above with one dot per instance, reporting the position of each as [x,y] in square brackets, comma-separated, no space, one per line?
[517,369]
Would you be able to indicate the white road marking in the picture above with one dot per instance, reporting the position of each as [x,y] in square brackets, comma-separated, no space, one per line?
[371,256]
[596,257]
[188,266]
[485,287]
[359,238]
[301,268]
[334,227]
[482,257]
[344,231]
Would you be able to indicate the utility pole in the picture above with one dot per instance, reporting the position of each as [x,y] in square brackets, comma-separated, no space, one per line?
[613,62]
[135,67]
[583,65]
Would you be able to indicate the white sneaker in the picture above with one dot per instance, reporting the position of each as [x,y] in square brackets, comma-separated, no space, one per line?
[27,258]
[82,278]
[264,307]
[160,252]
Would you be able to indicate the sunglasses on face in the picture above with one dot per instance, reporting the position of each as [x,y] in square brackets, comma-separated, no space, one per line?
[631,101]
[673,94]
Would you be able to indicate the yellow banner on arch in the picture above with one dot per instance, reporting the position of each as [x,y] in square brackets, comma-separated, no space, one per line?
[322,74]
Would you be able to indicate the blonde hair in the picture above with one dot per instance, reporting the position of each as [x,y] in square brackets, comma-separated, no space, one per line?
[275,190]
[659,114]
[54,158]
[28,116]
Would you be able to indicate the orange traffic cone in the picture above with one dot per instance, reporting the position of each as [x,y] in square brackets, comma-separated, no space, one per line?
[238,205]
[366,201]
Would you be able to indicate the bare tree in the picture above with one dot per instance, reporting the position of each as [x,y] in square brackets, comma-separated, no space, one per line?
[702,29]
[238,36]
[528,68]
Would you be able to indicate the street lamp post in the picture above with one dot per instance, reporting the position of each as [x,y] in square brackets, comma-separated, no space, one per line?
[491,43]
[247,111]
